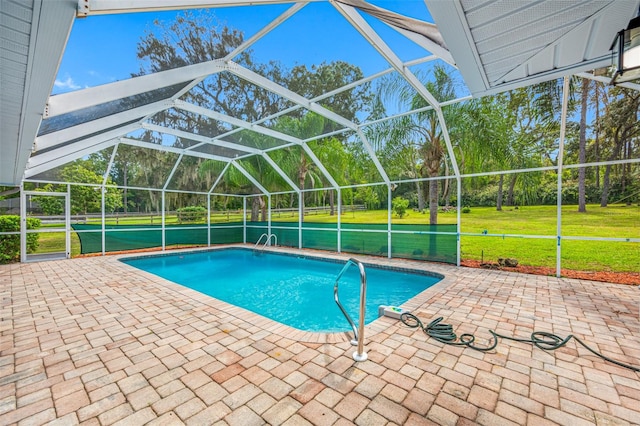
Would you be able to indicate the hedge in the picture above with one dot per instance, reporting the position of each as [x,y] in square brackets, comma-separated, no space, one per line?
[191,214]
[10,244]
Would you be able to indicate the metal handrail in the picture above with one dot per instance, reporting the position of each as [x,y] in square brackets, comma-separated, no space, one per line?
[267,241]
[358,333]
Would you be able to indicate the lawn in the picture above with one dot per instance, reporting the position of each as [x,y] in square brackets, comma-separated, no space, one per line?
[617,221]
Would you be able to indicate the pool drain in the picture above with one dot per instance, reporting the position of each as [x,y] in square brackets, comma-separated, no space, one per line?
[444,333]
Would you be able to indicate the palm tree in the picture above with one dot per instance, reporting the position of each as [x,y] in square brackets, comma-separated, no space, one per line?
[487,132]
[421,130]
[401,161]
[536,112]
[333,155]
[293,160]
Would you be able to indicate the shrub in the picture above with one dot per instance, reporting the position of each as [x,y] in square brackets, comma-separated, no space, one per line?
[466,209]
[191,214]
[399,206]
[10,244]
[51,206]
[485,197]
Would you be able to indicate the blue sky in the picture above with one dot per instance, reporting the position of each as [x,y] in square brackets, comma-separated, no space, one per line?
[102,48]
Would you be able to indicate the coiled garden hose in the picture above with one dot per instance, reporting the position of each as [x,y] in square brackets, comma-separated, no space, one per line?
[443,333]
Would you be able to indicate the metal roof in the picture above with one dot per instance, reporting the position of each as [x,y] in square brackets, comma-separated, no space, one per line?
[497,45]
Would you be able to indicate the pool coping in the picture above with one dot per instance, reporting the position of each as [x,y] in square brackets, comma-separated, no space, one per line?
[282,330]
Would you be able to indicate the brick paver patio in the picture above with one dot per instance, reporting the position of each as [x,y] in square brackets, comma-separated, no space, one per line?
[93,341]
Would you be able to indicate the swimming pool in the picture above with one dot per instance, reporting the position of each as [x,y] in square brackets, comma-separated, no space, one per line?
[293,290]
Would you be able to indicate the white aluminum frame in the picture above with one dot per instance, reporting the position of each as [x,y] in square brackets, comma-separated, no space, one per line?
[98,7]
[23,220]
[60,153]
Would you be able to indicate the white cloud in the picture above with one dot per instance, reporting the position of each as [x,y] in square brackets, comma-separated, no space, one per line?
[68,84]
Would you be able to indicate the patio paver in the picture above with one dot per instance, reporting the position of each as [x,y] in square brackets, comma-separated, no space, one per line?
[94,341]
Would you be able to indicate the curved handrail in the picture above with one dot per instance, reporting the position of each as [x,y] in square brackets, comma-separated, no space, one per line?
[260,239]
[267,241]
[358,333]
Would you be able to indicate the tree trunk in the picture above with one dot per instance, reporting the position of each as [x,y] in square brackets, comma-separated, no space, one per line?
[446,187]
[426,186]
[607,171]
[420,196]
[446,193]
[605,186]
[433,202]
[433,159]
[597,152]
[153,201]
[512,185]
[582,155]
[125,191]
[433,217]
[500,194]
[255,209]
[332,209]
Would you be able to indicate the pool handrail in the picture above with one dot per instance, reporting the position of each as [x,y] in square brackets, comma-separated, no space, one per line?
[267,241]
[358,333]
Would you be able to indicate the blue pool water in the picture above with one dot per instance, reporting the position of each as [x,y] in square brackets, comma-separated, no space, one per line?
[292,290]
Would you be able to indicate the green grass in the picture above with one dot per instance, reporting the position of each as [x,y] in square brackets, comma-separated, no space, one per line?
[52,242]
[616,221]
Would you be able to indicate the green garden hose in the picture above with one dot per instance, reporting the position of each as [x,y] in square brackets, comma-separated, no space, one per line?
[443,333]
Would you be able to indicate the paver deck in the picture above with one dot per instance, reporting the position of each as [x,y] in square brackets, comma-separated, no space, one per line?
[97,342]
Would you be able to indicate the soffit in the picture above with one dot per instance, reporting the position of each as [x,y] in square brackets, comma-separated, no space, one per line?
[33,35]
[503,44]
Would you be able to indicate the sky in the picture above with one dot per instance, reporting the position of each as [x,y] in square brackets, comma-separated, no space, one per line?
[102,48]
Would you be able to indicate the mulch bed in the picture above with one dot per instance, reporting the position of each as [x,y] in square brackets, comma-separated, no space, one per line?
[628,278]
